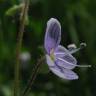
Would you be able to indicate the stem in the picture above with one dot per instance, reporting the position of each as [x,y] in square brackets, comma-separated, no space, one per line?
[33,76]
[18,47]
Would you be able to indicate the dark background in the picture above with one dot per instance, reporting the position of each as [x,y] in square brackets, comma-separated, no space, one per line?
[78,21]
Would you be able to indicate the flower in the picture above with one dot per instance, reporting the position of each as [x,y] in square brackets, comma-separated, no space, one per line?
[58,58]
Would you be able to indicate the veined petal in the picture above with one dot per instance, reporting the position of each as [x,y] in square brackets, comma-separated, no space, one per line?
[49,61]
[64,73]
[53,35]
[65,59]
[61,49]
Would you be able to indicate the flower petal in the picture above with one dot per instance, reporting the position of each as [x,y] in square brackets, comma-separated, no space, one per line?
[53,35]
[64,73]
[65,59]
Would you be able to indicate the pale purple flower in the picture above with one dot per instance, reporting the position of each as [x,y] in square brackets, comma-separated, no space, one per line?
[59,59]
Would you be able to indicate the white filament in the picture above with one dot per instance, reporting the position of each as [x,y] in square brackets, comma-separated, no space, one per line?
[59,53]
[74,50]
[74,64]
[82,45]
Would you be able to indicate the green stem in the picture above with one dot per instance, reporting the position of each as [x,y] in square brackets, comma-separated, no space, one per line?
[33,76]
[18,47]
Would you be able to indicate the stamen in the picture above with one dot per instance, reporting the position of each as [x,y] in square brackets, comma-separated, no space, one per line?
[82,45]
[74,50]
[71,47]
[59,53]
[52,54]
[73,64]
[52,51]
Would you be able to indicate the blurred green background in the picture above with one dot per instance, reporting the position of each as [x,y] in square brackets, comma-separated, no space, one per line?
[78,21]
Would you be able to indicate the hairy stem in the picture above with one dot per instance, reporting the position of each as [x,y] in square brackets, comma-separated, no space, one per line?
[33,76]
[18,47]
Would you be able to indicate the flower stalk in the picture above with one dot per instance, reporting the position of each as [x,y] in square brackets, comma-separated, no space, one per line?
[33,76]
[18,47]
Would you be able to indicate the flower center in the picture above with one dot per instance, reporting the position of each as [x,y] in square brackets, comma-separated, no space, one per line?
[52,54]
